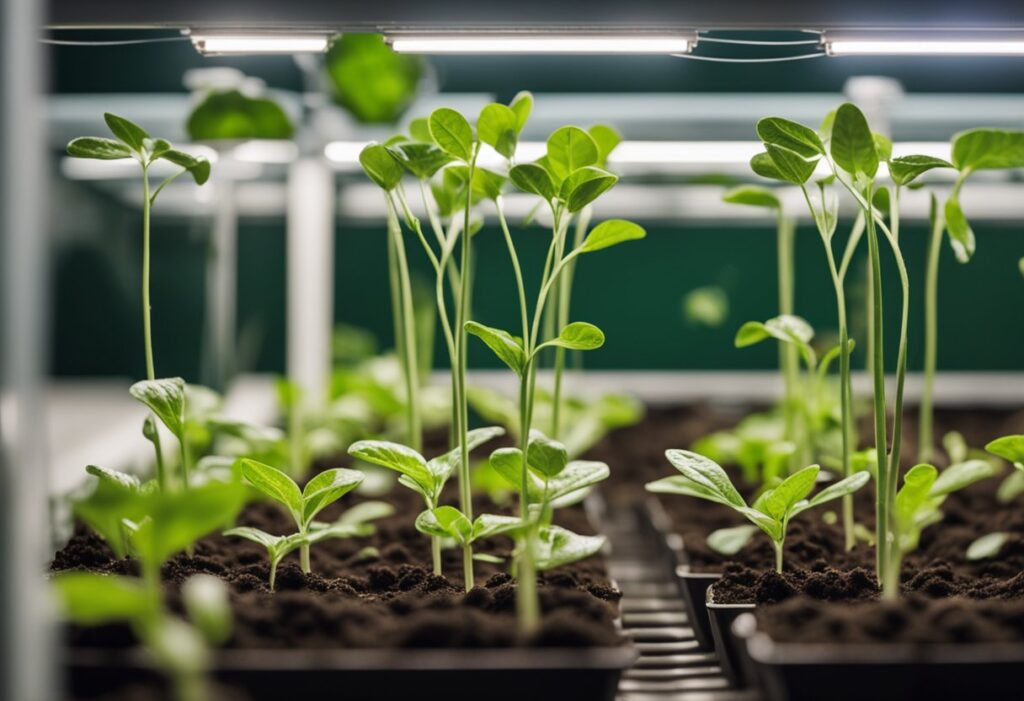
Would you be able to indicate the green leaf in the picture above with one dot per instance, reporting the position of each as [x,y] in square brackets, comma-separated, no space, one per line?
[98,147]
[522,105]
[115,497]
[987,546]
[397,457]
[232,115]
[915,492]
[558,546]
[546,456]
[708,474]
[584,185]
[498,126]
[487,183]
[883,146]
[790,135]
[489,525]
[381,166]
[275,484]
[197,166]
[763,165]
[906,169]
[1009,448]
[683,486]
[446,521]
[610,233]
[166,399]
[508,463]
[782,499]
[442,466]
[577,475]
[421,159]
[128,132]
[375,84]
[91,599]
[176,520]
[326,488]
[790,165]
[270,542]
[366,511]
[852,143]
[606,139]
[847,485]
[729,541]
[1012,486]
[533,178]
[452,133]
[753,196]
[961,235]
[419,130]
[568,150]
[983,149]
[579,335]
[786,328]
[962,474]
[508,349]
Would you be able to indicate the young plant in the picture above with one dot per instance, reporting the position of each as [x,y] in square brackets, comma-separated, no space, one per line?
[152,525]
[1011,449]
[852,153]
[773,509]
[971,151]
[133,142]
[427,478]
[449,522]
[353,523]
[785,228]
[321,491]
[919,500]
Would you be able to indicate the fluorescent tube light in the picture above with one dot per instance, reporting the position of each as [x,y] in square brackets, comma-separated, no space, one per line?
[924,44]
[219,44]
[543,44]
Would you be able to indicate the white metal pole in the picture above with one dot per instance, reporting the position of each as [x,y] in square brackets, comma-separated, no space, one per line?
[222,284]
[310,284]
[29,657]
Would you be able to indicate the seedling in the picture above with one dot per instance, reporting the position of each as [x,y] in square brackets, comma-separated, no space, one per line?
[153,525]
[133,142]
[320,492]
[919,500]
[353,523]
[757,445]
[427,478]
[449,522]
[772,511]
[1010,448]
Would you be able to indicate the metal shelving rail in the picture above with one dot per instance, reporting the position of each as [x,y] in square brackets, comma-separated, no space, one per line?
[670,667]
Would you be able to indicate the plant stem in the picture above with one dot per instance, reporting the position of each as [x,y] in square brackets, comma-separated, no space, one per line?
[161,469]
[788,362]
[273,573]
[435,553]
[461,316]
[926,439]
[147,332]
[527,604]
[778,555]
[882,511]
[410,367]
[304,558]
[564,303]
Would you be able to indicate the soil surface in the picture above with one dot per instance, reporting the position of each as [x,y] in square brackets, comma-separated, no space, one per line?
[912,619]
[385,597]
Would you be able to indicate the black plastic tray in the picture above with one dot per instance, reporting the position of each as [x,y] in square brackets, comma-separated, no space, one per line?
[374,675]
[727,644]
[855,672]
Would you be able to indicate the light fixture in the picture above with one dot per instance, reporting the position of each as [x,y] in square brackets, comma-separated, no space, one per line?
[211,44]
[543,43]
[890,43]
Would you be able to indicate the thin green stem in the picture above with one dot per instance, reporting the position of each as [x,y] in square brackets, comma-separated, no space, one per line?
[778,554]
[147,333]
[788,361]
[926,438]
[435,553]
[409,362]
[304,558]
[161,469]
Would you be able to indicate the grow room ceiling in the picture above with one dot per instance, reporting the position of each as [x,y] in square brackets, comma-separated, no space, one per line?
[417,14]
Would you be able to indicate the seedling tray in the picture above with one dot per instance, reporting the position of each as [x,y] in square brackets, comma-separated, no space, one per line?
[727,644]
[854,672]
[373,675]
[693,586]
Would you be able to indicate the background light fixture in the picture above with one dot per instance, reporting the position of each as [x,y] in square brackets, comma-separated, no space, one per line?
[543,43]
[923,43]
[213,44]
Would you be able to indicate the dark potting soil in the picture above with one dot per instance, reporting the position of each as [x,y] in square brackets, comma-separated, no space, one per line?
[383,597]
[812,543]
[912,619]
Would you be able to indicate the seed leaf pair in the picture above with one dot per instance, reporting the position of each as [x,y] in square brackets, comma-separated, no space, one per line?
[449,522]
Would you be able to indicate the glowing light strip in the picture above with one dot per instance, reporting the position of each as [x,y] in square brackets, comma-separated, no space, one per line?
[259,44]
[543,44]
[924,47]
